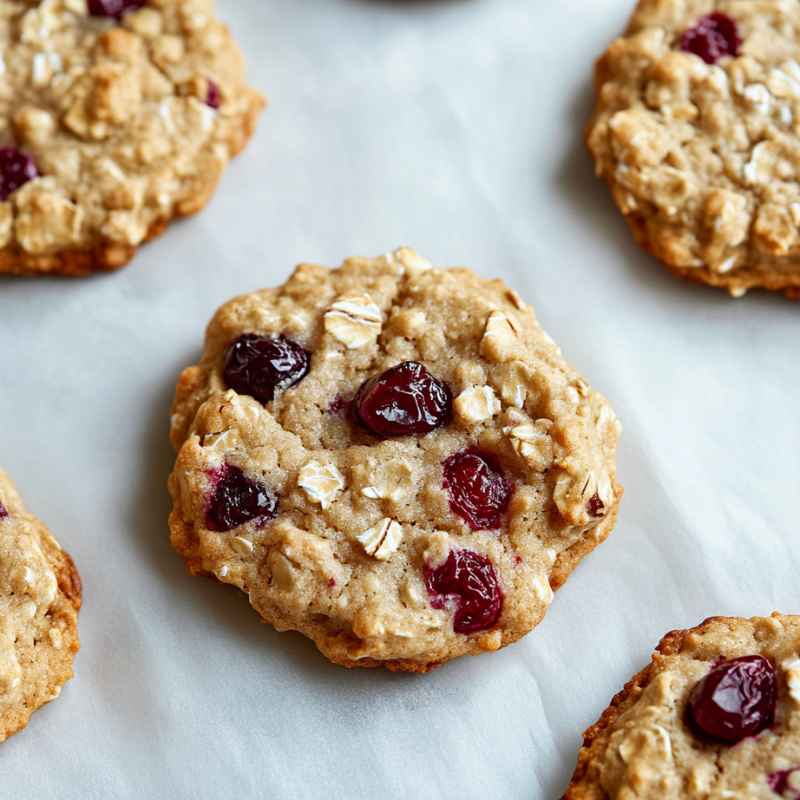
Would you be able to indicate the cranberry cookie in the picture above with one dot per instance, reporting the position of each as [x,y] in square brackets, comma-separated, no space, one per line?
[393,459]
[715,715]
[696,130]
[116,116]
[40,595]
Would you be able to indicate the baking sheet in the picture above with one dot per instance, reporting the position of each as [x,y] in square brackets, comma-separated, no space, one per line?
[454,127]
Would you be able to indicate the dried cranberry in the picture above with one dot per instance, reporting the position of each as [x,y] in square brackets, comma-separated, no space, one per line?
[260,365]
[213,95]
[113,8]
[785,783]
[238,499]
[403,400]
[714,36]
[16,169]
[468,580]
[3,512]
[596,506]
[479,492]
[735,700]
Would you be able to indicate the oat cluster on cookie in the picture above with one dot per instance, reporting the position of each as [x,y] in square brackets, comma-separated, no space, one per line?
[112,125]
[416,473]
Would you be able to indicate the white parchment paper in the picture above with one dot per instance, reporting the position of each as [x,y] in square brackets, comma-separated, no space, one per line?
[455,127]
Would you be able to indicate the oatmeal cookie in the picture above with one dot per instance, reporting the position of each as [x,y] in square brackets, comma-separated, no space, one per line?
[40,595]
[116,116]
[393,459]
[697,132]
[715,715]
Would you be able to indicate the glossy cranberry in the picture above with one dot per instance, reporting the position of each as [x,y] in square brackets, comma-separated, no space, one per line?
[213,95]
[16,169]
[260,365]
[405,399]
[113,8]
[785,783]
[3,512]
[735,700]
[469,582]
[479,492]
[238,499]
[714,36]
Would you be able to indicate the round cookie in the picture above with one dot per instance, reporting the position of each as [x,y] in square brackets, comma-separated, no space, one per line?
[697,132]
[116,116]
[716,714]
[40,595]
[392,459]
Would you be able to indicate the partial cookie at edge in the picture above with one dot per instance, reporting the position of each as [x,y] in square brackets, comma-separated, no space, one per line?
[123,131]
[40,589]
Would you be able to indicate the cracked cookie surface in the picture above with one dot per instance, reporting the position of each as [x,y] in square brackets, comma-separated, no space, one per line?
[40,595]
[653,742]
[422,470]
[696,131]
[112,126]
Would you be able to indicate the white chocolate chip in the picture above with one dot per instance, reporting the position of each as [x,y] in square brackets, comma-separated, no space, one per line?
[381,540]
[476,404]
[320,482]
[354,320]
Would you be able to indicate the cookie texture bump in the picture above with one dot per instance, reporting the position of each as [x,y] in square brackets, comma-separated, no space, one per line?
[390,458]
[697,132]
[714,715]
[117,117]
[40,595]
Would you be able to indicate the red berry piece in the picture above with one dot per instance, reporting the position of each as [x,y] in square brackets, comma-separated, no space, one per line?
[113,8]
[16,169]
[596,506]
[469,582]
[261,365]
[735,700]
[404,400]
[785,783]
[213,95]
[3,511]
[238,499]
[479,492]
[714,36]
